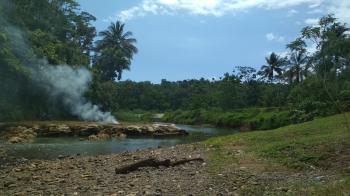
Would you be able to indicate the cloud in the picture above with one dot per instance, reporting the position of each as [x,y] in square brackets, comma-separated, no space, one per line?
[311,21]
[292,12]
[341,9]
[205,7]
[273,37]
[218,8]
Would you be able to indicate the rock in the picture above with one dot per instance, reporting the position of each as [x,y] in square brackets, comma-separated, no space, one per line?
[87,130]
[18,134]
[99,137]
[94,131]
[120,136]
[15,140]
[133,130]
[93,138]
[320,178]
[56,130]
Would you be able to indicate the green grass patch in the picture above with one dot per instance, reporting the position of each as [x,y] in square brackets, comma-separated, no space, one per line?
[302,146]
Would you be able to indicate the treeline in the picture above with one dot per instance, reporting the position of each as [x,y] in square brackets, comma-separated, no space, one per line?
[228,93]
[307,82]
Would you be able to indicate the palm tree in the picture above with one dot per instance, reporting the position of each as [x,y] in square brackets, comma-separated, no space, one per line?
[298,61]
[115,43]
[298,69]
[274,64]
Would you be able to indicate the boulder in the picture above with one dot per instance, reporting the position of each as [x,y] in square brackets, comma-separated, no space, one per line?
[58,130]
[119,136]
[86,130]
[16,140]
[133,130]
[99,137]
[18,134]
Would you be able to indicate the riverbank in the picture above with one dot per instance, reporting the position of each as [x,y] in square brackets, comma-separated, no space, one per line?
[25,132]
[306,159]
[244,119]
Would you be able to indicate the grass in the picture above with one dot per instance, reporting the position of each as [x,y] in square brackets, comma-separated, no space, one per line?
[322,145]
[296,146]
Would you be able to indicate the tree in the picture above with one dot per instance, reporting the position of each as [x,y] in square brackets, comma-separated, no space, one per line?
[330,38]
[115,51]
[274,64]
[298,61]
[246,74]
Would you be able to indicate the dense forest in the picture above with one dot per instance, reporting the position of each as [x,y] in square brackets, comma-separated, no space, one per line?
[312,80]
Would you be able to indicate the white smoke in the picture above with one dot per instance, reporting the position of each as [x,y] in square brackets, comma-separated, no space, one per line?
[70,84]
[61,81]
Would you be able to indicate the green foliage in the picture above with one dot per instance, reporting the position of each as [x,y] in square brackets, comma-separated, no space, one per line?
[114,52]
[134,116]
[52,30]
[309,85]
[274,66]
[246,119]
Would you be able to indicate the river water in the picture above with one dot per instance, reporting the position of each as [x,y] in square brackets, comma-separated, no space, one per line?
[50,148]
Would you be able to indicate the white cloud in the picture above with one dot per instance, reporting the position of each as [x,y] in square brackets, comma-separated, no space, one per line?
[316,11]
[292,12]
[273,37]
[311,21]
[341,9]
[205,7]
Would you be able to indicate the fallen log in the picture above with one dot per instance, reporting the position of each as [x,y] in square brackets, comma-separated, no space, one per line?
[152,162]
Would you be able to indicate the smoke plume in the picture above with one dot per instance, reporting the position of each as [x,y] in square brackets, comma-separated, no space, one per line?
[63,82]
[70,84]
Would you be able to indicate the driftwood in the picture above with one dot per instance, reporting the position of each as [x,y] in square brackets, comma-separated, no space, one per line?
[153,163]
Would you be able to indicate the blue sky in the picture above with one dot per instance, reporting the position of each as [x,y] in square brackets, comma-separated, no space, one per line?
[184,39]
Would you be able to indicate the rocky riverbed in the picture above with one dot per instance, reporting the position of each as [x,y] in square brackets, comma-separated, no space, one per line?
[96,175]
[28,131]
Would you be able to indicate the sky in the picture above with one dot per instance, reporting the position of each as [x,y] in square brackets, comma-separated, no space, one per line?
[192,39]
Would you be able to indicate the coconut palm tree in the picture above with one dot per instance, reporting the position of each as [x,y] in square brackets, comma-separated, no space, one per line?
[273,67]
[298,61]
[298,66]
[115,51]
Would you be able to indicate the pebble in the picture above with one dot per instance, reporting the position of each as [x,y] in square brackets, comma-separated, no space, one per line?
[320,178]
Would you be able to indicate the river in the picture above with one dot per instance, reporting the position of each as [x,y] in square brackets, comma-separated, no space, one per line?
[50,148]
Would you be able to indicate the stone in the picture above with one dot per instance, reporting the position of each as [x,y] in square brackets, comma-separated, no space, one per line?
[15,140]
[94,131]
[320,178]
